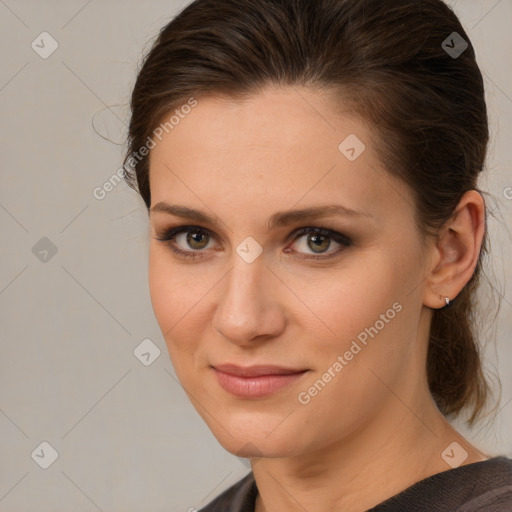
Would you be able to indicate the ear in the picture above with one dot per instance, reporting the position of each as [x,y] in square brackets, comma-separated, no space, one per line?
[457,250]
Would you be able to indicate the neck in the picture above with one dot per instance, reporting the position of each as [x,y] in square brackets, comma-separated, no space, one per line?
[400,447]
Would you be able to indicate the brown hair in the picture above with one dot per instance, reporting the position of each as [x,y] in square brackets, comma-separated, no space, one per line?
[388,62]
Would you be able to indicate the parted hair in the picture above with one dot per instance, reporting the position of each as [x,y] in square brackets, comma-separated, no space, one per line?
[393,63]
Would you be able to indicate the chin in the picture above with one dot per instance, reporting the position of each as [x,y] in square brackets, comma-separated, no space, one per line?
[256,437]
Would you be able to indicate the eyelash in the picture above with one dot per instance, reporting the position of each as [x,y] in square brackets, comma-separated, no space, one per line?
[168,236]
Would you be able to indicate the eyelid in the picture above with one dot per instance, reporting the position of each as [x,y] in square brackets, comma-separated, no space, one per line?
[320,230]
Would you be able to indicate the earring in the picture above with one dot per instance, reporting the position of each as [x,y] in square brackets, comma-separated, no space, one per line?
[447,300]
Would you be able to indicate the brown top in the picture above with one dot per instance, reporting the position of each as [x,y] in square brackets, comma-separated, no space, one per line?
[479,487]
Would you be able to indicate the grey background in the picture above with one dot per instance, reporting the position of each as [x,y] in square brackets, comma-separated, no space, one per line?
[127,438]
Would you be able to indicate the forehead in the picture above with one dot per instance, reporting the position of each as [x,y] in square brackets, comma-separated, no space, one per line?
[280,147]
[275,119]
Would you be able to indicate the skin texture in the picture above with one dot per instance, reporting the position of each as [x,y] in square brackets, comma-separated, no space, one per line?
[373,430]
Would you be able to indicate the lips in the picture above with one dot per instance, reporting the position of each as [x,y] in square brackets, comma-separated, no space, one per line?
[256,371]
[255,381]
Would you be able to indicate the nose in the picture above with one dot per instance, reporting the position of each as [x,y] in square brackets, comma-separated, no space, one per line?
[250,306]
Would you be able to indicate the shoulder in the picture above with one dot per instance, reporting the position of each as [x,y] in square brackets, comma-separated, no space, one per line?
[240,497]
[493,488]
[479,487]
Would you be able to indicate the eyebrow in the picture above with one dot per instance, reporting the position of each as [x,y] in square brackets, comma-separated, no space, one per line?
[278,219]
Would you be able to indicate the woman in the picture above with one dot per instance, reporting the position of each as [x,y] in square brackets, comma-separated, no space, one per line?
[310,172]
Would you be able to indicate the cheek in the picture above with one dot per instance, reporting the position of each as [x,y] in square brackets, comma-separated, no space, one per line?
[179,295]
[173,294]
[162,286]
[366,318]
[374,332]
[348,301]
[174,289]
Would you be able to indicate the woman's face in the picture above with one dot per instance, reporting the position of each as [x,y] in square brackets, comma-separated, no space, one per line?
[342,309]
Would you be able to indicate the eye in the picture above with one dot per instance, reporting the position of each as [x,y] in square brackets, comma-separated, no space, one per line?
[189,241]
[319,240]
[186,241]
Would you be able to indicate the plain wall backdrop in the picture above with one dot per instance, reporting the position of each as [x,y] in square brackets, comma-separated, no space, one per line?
[74,297]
